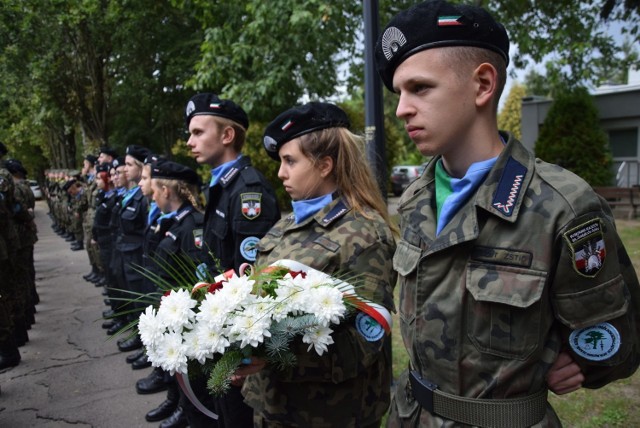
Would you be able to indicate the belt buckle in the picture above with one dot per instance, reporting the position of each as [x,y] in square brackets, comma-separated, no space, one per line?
[422,390]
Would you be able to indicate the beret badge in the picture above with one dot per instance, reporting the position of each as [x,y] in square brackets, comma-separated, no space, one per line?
[191,106]
[392,41]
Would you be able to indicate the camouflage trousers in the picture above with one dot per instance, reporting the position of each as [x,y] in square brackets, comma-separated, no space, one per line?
[93,251]
[6,320]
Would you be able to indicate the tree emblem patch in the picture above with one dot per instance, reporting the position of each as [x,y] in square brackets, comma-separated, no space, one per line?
[595,343]
[586,243]
[369,328]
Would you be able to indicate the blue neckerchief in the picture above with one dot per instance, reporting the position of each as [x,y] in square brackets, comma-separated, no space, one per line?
[166,216]
[461,188]
[304,209]
[218,172]
[121,190]
[154,213]
[129,195]
[90,178]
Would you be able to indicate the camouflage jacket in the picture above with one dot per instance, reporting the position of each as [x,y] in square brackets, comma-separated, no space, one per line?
[348,386]
[25,224]
[528,266]
[8,235]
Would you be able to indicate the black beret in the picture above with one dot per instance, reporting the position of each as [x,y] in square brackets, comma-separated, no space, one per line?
[151,158]
[301,120]
[91,158]
[103,167]
[15,167]
[434,24]
[163,168]
[117,162]
[108,151]
[3,149]
[138,152]
[69,184]
[210,104]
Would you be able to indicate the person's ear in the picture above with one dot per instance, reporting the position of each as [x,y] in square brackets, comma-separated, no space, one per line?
[325,166]
[228,135]
[486,80]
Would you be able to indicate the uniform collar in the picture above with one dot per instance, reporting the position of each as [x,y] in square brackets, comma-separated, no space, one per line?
[503,191]
[225,173]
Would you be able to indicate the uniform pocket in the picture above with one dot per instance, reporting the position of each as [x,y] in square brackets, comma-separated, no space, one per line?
[504,309]
[594,305]
[405,262]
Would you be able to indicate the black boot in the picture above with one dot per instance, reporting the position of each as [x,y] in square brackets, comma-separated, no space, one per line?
[76,246]
[177,420]
[141,363]
[167,407]
[131,358]
[9,354]
[153,383]
[130,344]
[91,274]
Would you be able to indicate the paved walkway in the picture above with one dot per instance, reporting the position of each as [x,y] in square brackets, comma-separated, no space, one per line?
[70,374]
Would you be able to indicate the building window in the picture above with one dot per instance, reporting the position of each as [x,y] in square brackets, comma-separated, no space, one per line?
[624,143]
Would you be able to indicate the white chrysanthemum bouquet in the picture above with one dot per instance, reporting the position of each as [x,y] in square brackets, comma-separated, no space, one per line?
[213,327]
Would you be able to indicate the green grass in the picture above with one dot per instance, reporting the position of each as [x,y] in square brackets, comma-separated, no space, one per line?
[615,405]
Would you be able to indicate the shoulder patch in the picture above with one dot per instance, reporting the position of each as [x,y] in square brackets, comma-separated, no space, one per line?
[197,238]
[249,248]
[586,244]
[509,187]
[596,343]
[251,204]
[368,328]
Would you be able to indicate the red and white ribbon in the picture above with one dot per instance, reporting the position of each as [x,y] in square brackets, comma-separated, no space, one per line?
[374,310]
[183,381]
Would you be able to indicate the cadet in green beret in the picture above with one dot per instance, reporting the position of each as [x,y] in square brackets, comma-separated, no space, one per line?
[339,225]
[507,264]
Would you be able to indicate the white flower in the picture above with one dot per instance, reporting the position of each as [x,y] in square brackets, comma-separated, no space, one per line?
[318,337]
[326,304]
[172,353]
[176,310]
[250,327]
[150,328]
[235,291]
[214,310]
[211,341]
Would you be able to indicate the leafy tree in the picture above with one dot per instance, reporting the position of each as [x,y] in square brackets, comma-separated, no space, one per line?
[510,116]
[572,138]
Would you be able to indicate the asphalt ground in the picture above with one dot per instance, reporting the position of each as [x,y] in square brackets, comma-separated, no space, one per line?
[71,373]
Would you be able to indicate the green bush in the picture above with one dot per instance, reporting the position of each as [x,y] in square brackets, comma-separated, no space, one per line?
[571,137]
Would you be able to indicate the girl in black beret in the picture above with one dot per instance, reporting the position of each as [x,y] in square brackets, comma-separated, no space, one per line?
[339,225]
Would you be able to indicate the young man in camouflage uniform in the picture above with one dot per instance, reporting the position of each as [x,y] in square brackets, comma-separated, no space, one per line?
[28,236]
[9,353]
[505,261]
[88,210]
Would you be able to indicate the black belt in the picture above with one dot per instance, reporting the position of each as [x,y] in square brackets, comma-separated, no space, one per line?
[498,413]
